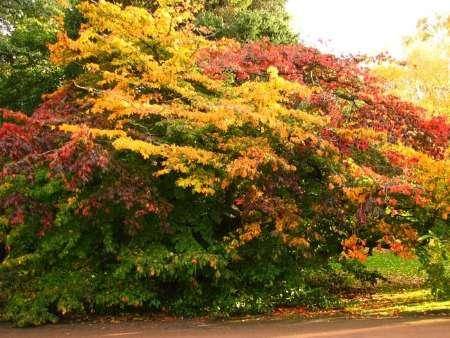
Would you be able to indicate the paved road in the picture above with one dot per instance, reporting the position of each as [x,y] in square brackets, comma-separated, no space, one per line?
[325,328]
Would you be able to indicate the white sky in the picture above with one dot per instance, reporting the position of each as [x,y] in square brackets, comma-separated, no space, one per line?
[360,26]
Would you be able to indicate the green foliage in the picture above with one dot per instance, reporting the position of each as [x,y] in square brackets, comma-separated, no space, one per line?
[247,20]
[13,12]
[80,267]
[94,265]
[25,70]
[72,20]
[435,258]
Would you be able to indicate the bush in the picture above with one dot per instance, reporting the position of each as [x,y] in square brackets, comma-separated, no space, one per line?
[435,258]
[150,183]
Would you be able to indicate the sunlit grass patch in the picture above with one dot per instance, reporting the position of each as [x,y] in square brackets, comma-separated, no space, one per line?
[403,293]
[399,272]
[406,302]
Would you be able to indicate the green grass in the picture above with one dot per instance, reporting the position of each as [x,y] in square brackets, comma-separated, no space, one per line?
[399,272]
[406,302]
[404,293]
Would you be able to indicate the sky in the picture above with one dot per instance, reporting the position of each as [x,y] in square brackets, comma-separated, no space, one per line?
[360,26]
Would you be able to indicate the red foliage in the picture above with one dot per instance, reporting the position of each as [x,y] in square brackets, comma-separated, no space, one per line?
[57,107]
[438,128]
[78,158]
[294,62]
[343,82]
[27,140]
[27,143]
[14,141]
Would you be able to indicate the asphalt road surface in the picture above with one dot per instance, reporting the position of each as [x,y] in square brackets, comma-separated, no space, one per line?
[435,327]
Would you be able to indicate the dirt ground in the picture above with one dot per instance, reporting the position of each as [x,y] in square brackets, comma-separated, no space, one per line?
[419,327]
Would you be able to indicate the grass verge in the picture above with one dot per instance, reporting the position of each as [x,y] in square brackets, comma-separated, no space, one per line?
[404,292]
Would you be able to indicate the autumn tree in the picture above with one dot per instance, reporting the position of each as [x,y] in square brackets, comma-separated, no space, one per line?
[29,26]
[175,173]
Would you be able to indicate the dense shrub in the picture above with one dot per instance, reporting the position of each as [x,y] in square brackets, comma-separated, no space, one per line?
[435,259]
[152,182]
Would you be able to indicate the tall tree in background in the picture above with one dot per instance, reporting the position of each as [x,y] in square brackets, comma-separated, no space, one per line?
[424,76]
[247,20]
[27,27]
[13,12]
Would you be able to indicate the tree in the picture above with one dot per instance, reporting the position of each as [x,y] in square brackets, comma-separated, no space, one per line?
[423,77]
[25,71]
[244,20]
[179,174]
[29,26]
[13,12]
[247,20]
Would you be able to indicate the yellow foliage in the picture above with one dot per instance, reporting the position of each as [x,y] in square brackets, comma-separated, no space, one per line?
[287,217]
[93,131]
[149,51]
[201,184]
[249,163]
[357,195]
[251,231]
[366,134]
[188,154]
[298,242]
[430,174]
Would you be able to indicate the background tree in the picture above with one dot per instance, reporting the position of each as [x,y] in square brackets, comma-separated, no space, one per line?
[243,20]
[247,20]
[25,70]
[13,12]
[423,77]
